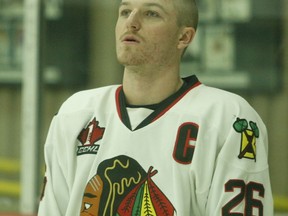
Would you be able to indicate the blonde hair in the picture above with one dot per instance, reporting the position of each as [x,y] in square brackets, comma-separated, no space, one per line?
[187,12]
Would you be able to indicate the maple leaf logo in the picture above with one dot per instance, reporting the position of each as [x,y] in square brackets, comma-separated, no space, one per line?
[91,134]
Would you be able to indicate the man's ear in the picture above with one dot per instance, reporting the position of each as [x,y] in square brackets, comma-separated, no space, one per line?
[186,36]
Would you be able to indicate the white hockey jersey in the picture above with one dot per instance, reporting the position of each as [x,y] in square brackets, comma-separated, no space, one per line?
[202,151]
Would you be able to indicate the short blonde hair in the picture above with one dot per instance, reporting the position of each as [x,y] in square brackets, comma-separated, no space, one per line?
[187,12]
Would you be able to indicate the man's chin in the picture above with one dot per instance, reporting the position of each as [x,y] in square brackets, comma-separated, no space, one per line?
[131,61]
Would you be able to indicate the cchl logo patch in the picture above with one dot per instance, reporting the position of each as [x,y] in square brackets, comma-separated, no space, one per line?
[88,138]
[248,138]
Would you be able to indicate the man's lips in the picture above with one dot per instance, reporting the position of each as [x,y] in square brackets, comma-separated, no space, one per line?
[130,39]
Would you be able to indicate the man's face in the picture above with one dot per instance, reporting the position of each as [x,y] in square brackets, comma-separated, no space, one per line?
[147,32]
[92,196]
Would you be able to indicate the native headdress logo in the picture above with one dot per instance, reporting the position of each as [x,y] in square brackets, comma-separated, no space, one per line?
[121,187]
[248,138]
[146,199]
[88,138]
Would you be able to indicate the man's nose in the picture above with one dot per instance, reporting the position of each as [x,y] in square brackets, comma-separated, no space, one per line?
[133,21]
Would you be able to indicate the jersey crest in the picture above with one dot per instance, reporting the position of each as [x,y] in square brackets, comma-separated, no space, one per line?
[89,137]
[248,138]
[121,187]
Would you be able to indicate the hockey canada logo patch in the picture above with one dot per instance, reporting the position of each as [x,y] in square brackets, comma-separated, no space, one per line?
[88,138]
[248,138]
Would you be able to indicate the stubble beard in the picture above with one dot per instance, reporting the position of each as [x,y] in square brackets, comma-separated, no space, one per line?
[134,56]
[131,56]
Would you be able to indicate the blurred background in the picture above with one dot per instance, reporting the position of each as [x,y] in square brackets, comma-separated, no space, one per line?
[50,49]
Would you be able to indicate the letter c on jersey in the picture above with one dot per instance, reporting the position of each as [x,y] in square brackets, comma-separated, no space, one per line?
[185,143]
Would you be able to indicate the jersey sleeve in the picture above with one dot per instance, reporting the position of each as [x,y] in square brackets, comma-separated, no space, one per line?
[241,184]
[55,190]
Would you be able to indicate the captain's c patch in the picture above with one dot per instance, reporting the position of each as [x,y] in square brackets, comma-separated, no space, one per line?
[248,138]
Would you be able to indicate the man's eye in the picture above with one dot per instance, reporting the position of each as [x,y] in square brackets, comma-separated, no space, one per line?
[152,14]
[87,206]
[125,12]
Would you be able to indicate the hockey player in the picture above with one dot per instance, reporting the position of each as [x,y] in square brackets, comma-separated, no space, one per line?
[158,144]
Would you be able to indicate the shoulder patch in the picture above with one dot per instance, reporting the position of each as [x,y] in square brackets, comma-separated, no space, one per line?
[88,138]
[248,138]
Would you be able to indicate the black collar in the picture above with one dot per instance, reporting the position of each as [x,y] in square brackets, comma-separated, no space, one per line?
[159,109]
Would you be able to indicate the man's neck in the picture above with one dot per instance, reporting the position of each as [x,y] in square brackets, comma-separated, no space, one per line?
[150,86]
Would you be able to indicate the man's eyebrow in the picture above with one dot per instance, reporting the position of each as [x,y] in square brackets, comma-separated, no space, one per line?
[149,4]
[90,195]
[123,4]
[152,4]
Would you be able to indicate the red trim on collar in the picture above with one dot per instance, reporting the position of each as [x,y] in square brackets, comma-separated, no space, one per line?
[175,101]
[117,98]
